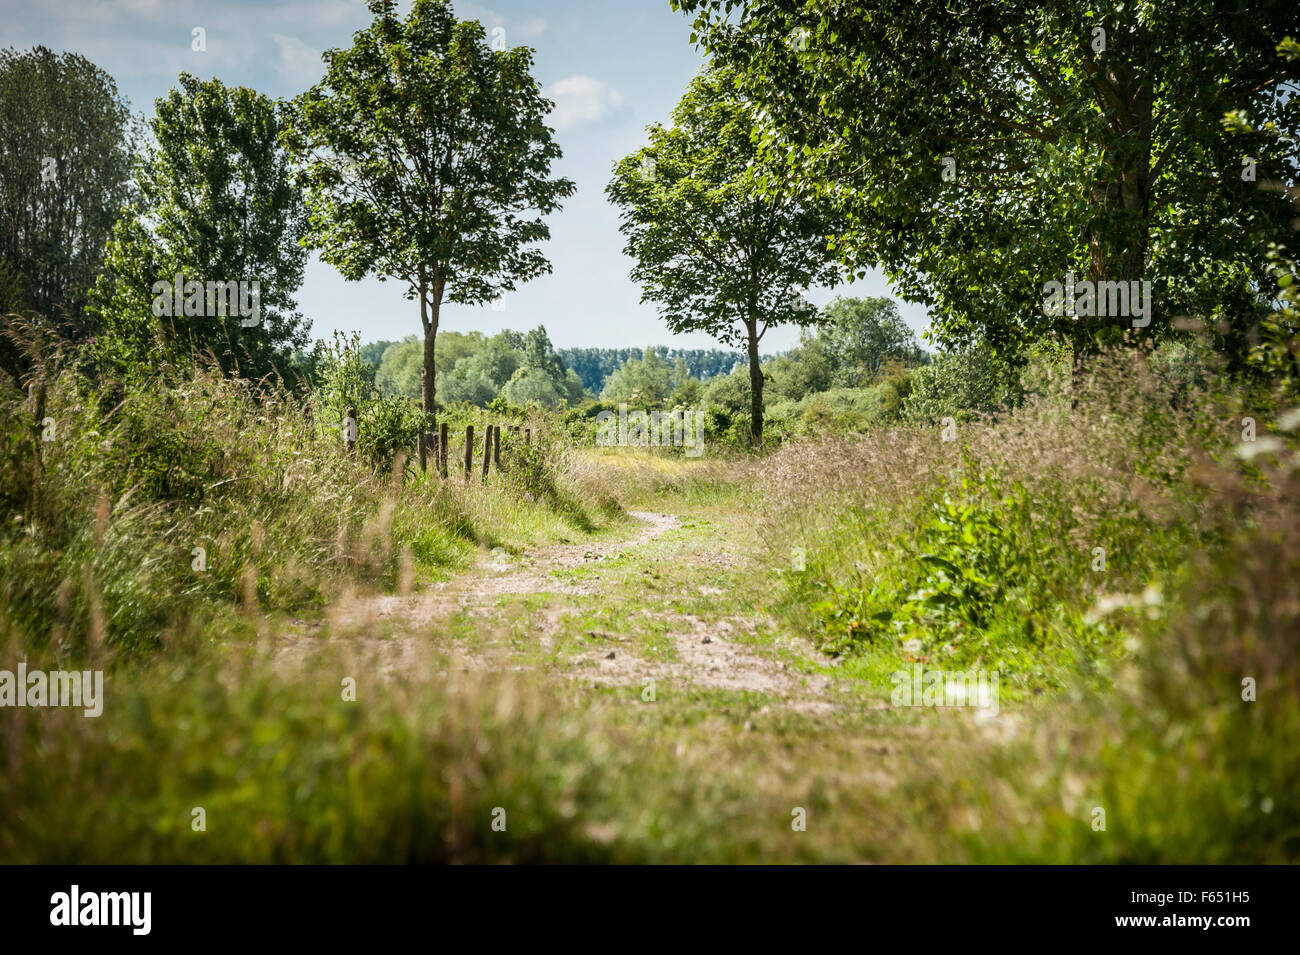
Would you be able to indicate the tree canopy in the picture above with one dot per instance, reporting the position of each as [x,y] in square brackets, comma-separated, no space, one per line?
[425,158]
[978,151]
[66,145]
[862,334]
[712,249]
[216,206]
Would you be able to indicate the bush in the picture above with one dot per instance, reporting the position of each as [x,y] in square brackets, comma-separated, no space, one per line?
[961,384]
[387,425]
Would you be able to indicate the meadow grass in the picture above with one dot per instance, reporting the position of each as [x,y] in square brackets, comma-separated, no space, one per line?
[1123,692]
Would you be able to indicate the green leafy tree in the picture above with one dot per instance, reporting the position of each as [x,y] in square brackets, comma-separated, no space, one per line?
[713,249]
[216,206]
[453,346]
[541,375]
[468,382]
[646,381]
[65,173]
[687,391]
[977,151]
[861,335]
[480,376]
[402,366]
[594,365]
[372,353]
[399,368]
[531,384]
[1276,353]
[425,158]
[803,370]
[960,383]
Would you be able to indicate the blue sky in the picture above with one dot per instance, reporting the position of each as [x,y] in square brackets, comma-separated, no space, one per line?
[611,66]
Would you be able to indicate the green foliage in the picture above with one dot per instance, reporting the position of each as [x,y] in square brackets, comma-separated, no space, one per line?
[1277,355]
[398,370]
[372,353]
[386,424]
[862,335]
[425,158]
[1005,145]
[646,382]
[726,402]
[595,365]
[65,172]
[838,410]
[712,249]
[98,547]
[529,385]
[801,371]
[959,384]
[997,549]
[216,206]
[519,368]
[973,563]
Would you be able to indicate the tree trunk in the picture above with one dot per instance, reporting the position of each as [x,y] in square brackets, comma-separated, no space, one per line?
[755,386]
[1118,246]
[429,309]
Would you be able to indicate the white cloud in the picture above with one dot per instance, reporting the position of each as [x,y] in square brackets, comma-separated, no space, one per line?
[528,28]
[316,12]
[300,63]
[138,6]
[580,99]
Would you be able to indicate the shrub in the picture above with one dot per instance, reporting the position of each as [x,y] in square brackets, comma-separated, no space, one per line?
[960,384]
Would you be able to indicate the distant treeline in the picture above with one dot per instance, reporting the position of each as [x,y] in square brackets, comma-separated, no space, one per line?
[594,365]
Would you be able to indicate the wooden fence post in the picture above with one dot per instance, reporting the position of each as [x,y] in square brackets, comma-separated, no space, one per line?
[496,446]
[38,419]
[528,437]
[469,450]
[350,432]
[443,445]
[487,451]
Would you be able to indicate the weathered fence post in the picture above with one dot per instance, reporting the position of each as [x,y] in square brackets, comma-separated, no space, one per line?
[350,432]
[444,444]
[469,450]
[37,395]
[487,451]
[496,446]
[528,437]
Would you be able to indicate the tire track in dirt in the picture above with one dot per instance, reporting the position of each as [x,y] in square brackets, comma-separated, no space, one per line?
[707,656]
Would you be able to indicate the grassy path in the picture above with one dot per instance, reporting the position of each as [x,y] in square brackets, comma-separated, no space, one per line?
[658,630]
[665,604]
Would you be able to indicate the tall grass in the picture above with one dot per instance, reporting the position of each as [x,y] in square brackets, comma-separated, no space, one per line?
[988,542]
[1126,683]
[134,505]
[979,552]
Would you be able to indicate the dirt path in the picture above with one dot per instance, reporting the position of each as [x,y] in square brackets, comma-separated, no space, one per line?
[700,651]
